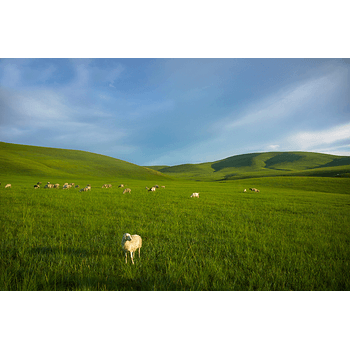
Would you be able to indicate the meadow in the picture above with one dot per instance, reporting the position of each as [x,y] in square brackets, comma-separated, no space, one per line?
[293,235]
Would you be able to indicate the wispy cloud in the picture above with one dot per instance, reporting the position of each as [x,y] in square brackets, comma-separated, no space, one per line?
[311,141]
[175,111]
[287,102]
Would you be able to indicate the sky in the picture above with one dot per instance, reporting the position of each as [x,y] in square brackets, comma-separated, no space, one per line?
[175,111]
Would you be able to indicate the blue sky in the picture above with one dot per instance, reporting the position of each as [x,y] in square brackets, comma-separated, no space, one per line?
[175,111]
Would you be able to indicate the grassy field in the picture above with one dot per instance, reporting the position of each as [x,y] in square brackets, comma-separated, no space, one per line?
[293,235]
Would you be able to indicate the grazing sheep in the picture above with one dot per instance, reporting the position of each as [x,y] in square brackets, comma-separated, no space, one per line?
[36,186]
[130,243]
[38,183]
[67,186]
[127,190]
[87,188]
[8,186]
[254,189]
[195,194]
[56,186]
[245,190]
[121,185]
[76,186]
[162,186]
[106,186]
[48,185]
[152,189]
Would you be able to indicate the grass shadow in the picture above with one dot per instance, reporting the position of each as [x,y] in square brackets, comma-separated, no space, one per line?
[244,160]
[55,250]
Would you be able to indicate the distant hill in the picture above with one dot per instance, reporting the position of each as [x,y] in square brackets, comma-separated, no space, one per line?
[55,163]
[261,165]
[21,160]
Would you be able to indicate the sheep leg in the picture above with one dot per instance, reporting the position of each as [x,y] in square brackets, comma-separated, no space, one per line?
[131,254]
[126,258]
[139,252]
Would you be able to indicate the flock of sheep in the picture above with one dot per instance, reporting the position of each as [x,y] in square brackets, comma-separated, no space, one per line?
[130,243]
[126,190]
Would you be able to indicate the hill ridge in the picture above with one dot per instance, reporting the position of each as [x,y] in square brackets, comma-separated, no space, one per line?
[25,160]
[262,164]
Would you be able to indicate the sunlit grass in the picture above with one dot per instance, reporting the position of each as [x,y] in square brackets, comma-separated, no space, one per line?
[293,235]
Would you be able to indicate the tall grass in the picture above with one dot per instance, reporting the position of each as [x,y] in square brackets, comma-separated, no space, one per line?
[290,236]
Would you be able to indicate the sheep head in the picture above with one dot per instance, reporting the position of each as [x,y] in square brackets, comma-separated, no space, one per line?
[126,237]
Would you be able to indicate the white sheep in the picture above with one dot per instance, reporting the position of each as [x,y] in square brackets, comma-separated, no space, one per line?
[127,190]
[8,186]
[254,189]
[130,243]
[245,190]
[152,189]
[195,194]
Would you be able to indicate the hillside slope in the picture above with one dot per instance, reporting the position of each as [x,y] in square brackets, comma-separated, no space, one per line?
[22,160]
[263,164]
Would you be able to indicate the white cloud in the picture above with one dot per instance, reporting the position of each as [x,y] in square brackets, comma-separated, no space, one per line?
[287,102]
[273,147]
[313,140]
[36,107]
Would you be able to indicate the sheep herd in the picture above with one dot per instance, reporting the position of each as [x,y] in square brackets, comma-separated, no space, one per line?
[126,190]
[130,243]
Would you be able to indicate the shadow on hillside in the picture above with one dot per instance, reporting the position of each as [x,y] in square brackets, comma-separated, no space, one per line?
[337,162]
[282,158]
[243,160]
[55,251]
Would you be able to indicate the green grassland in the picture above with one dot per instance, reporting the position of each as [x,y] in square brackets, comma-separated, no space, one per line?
[292,235]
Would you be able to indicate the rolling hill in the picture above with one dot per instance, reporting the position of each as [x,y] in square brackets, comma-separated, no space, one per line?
[21,160]
[262,165]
